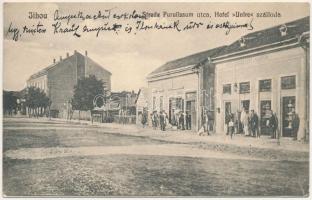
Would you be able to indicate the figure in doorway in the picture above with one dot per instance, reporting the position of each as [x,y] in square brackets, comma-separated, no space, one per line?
[206,122]
[254,124]
[237,122]
[226,124]
[144,118]
[231,127]
[188,121]
[181,121]
[155,120]
[274,125]
[295,125]
[162,120]
[245,122]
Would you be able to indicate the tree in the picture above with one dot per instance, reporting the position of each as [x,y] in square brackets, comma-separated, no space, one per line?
[36,101]
[85,91]
[9,102]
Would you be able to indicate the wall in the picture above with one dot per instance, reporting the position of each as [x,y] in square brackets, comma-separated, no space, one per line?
[92,68]
[266,66]
[141,103]
[39,82]
[61,81]
[175,87]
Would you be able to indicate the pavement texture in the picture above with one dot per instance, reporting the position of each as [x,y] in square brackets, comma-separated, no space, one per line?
[54,157]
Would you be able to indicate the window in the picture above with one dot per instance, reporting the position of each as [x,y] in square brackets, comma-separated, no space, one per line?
[180,104]
[288,82]
[154,103]
[227,89]
[161,103]
[244,87]
[265,85]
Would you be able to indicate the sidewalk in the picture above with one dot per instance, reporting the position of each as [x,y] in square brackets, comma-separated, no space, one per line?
[190,137]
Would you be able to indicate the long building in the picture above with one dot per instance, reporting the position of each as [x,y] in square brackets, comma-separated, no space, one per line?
[266,70]
[58,79]
[263,70]
[174,86]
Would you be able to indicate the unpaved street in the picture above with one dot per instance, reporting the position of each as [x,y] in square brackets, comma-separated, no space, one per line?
[56,158]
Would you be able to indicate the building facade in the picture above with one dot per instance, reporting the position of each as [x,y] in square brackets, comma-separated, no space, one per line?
[182,85]
[266,70]
[141,104]
[58,80]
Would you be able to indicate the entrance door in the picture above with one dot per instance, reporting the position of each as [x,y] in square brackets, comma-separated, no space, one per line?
[191,107]
[265,106]
[170,112]
[288,105]
[227,111]
[246,104]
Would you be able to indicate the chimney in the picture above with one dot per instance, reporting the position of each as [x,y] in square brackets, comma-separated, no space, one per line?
[67,55]
[54,60]
[283,30]
[86,53]
[61,58]
[75,51]
[242,42]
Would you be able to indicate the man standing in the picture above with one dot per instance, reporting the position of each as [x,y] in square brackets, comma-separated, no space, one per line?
[295,125]
[162,120]
[274,125]
[254,124]
[227,120]
[144,118]
[245,122]
[188,120]
[206,122]
[181,121]
[237,122]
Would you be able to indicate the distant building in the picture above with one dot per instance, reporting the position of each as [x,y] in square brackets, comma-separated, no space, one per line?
[58,79]
[123,102]
[141,103]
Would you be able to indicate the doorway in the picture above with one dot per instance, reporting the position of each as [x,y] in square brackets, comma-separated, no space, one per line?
[191,107]
[245,104]
[288,105]
[265,107]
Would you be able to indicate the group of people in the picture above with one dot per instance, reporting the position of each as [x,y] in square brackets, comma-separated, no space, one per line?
[235,123]
[160,119]
[182,120]
[249,123]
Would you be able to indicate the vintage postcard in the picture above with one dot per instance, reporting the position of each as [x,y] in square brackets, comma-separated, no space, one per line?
[168,99]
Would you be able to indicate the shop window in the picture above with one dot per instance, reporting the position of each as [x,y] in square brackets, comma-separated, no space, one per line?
[161,103]
[288,82]
[179,104]
[244,87]
[265,85]
[227,89]
[154,103]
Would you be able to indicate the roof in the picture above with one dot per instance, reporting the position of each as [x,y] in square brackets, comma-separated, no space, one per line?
[45,70]
[269,36]
[187,61]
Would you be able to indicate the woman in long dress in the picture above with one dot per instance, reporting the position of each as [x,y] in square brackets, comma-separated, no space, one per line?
[245,121]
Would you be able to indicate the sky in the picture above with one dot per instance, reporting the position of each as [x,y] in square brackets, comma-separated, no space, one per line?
[129,57]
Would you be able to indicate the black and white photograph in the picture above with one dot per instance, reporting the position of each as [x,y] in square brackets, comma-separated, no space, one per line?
[155,99]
